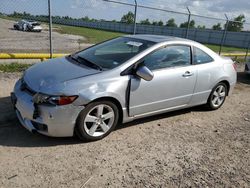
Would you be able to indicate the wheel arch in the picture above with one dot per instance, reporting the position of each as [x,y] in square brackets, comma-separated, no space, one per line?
[109,99]
[227,84]
[115,101]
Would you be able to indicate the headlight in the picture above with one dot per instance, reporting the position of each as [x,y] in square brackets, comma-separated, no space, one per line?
[62,100]
[39,98]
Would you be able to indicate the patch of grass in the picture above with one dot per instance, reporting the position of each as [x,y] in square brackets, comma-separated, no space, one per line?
[96,36]
[9,18]
[225,49]
[239,59]
[14,67]
[92,35]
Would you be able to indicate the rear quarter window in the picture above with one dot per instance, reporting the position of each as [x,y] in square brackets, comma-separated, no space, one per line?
[201,57]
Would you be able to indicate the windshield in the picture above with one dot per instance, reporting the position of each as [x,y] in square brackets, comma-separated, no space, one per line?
[113,53]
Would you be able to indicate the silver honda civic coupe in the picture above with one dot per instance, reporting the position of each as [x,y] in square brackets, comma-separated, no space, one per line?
[89,92]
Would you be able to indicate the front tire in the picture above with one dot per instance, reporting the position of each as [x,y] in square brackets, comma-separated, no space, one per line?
[217,96]
[97,120]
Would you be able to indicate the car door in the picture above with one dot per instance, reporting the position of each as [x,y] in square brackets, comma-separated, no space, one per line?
[172,85]
[208,72]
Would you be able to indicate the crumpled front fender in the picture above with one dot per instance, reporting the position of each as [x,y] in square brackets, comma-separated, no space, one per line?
[114,88]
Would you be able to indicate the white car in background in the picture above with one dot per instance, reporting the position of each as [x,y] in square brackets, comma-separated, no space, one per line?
[25,25]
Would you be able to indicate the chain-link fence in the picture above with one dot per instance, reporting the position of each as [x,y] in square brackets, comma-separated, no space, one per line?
[13,40]
[79,23]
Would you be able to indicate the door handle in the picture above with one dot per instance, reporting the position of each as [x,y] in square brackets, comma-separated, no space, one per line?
[187,74]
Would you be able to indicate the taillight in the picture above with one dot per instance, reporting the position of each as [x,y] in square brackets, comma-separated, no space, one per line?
[63,100]
[235,66]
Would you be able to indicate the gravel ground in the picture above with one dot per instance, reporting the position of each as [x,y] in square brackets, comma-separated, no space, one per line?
[187,148]
[19,41]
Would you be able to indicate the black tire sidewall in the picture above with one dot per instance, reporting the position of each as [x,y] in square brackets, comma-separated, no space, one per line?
[80,131]
[210,104]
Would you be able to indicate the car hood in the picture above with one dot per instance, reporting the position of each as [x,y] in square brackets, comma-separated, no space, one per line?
[45,76]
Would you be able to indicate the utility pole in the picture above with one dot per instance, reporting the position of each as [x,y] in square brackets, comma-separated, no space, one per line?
[224,34]
[189,17]
[50,29]
[135,16]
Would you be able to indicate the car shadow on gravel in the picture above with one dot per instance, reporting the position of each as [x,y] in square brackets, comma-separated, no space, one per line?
[201,108]
[12,134]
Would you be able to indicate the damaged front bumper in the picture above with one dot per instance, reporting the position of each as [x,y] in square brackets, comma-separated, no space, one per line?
[56,121]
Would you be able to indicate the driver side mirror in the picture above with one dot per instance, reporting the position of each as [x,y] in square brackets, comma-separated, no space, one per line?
[144,73]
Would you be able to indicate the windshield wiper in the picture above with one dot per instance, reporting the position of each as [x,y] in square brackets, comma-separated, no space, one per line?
[90,64]
[73,57]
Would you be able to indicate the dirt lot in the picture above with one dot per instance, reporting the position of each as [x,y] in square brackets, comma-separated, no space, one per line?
[188,148]
[19,41]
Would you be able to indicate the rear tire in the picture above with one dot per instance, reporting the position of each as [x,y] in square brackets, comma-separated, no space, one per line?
[217,96]
[97,120]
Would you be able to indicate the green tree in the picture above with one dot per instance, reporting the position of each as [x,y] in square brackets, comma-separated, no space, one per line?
[217,26]
[171,23]
[86,18]
[160,23]
[154,23]
[66,17]
[145,22]
[14,13]
[128,18]
[238,24]
[185,24]
[201,27]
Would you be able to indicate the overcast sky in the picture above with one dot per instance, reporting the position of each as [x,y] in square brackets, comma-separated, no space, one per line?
[102,10]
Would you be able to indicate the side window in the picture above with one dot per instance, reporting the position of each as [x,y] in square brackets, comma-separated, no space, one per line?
[170,56]
[201,57]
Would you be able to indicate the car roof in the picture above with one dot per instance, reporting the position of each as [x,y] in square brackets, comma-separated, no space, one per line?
[161,39]
[157,38]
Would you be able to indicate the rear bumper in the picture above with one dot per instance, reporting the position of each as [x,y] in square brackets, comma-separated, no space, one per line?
[58,120]
[232,85]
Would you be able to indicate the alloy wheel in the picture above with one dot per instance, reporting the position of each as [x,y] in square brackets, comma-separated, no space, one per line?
[99,120]
[218,95]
